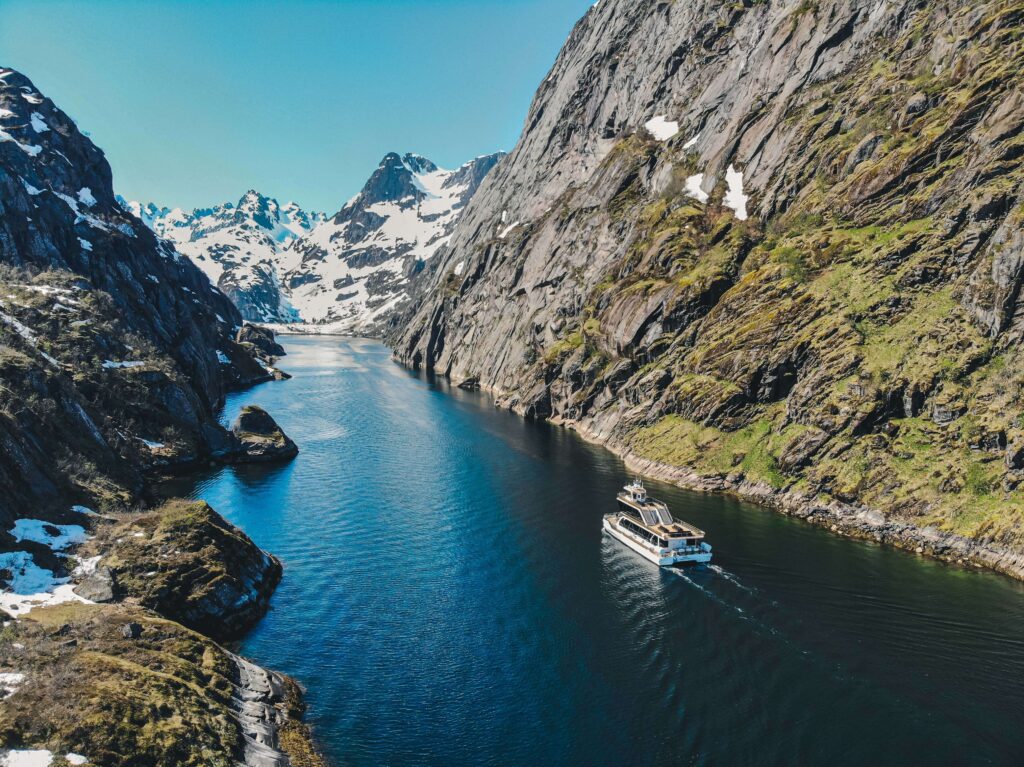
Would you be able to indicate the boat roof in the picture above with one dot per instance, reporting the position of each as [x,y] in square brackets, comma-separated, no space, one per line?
[656,517]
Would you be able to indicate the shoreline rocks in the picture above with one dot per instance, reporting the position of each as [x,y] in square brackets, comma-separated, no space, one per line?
[261,341]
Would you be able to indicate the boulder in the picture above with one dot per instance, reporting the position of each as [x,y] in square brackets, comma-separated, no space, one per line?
[258,438]
[131,630]
[261,339]
[99,586]
[917,104]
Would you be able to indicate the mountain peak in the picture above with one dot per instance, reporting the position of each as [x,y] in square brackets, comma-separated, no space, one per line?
[419,164]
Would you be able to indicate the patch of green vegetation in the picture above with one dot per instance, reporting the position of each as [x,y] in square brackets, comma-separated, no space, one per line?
[570,342]
[751,450]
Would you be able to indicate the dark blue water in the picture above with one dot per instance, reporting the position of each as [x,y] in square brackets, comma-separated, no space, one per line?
[449,599]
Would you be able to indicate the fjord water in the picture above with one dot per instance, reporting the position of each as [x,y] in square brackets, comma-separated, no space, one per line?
[449,599]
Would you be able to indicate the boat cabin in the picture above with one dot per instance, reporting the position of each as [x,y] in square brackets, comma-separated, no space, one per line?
[651,520]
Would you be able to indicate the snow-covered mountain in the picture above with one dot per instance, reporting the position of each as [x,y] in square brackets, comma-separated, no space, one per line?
[281,264]
[354,269]
[239,246]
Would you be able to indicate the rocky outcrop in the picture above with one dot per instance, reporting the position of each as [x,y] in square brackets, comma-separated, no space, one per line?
[770,244]
[99,586]
[184,561]
[125,688]
[258,438]
[261,341]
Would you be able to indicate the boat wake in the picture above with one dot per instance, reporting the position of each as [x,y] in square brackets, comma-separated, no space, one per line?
[750,606]
[732,579]
[711,594]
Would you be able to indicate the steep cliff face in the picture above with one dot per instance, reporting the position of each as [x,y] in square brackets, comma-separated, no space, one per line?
[115,352]
[774,247]
[116,349]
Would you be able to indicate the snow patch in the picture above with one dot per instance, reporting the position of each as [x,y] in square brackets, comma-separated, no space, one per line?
[459,267]
[32,586]
[693,187]
[38,123]
[662,128]
[9,684]
[26,758]
[31,189]
[94,222]
[111,365]
[734,197]
[87,566]
[505,232]
[31,150]
[223,358]
[57,537]
[85,197]
[692,142]
[86,245]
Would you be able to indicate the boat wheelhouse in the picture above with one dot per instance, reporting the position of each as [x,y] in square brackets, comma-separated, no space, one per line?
[646,525]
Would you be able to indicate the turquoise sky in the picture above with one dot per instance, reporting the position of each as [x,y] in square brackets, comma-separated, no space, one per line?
[196,102]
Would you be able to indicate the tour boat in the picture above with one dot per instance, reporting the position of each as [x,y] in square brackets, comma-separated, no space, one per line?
[646,526]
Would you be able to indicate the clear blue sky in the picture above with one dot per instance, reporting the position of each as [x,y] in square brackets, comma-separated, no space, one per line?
[196,102]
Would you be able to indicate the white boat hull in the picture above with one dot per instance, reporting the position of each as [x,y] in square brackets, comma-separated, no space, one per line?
[653,555]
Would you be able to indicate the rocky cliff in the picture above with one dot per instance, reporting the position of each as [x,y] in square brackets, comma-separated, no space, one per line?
[115,356]
[770,247]
[116,351]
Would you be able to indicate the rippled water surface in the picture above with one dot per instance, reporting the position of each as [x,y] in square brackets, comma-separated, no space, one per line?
[449,599]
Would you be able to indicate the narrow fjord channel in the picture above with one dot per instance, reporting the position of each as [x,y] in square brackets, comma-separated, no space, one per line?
[449,599]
